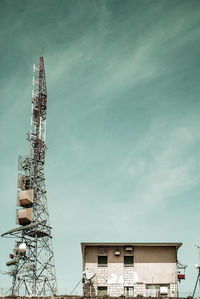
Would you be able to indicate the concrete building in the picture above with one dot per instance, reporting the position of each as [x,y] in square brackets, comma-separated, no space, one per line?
[131,269]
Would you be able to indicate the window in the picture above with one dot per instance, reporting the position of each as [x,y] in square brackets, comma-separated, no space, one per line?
[102,261]
[129,291]
[128,261]
[152,290]
[102,291]
[155,290]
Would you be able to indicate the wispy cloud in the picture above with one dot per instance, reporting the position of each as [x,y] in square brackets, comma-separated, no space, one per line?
[163,165]
[123,124]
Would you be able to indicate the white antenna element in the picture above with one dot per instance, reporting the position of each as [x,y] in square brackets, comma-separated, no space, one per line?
[33,94]
[35,68]
[197,266]
[35,82]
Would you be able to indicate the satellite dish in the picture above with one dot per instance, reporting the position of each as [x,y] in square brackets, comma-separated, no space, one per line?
[89,274]
[197,266]
[22,248]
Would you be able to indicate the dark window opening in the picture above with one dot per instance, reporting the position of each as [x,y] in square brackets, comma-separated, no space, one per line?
[129,291]
[102,260]
[102,291]
[128,261]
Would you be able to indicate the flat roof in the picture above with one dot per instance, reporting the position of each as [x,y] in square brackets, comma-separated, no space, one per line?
[173,244]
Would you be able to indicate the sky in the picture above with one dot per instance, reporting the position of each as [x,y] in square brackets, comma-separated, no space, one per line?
[123,123]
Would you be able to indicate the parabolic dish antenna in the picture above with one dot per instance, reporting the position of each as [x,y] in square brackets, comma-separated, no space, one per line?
[89,274]
[22,248]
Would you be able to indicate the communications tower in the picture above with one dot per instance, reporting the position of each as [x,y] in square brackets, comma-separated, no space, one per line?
[31,263]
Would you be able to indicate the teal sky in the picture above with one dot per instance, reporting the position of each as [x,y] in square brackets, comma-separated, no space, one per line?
[123,123]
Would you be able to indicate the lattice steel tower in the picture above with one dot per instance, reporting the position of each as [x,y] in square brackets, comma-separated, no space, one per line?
[31,263]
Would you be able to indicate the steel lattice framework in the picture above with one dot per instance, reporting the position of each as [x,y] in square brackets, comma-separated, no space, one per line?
[33,271]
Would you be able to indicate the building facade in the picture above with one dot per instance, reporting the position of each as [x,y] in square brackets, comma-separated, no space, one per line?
[130,269]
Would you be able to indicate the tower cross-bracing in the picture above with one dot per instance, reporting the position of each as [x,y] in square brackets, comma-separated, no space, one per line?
[31,263]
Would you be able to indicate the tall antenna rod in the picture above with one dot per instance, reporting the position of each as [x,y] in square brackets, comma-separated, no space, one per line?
[198,268]
[32,264]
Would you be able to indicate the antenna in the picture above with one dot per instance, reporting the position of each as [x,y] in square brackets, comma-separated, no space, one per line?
[88,274]
[197,266]
[32,264]
[87,277]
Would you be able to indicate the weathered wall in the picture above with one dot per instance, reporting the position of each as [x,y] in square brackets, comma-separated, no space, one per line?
[152,265]
[155,265]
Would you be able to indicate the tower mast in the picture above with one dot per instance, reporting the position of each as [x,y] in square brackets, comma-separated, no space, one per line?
[32,264]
